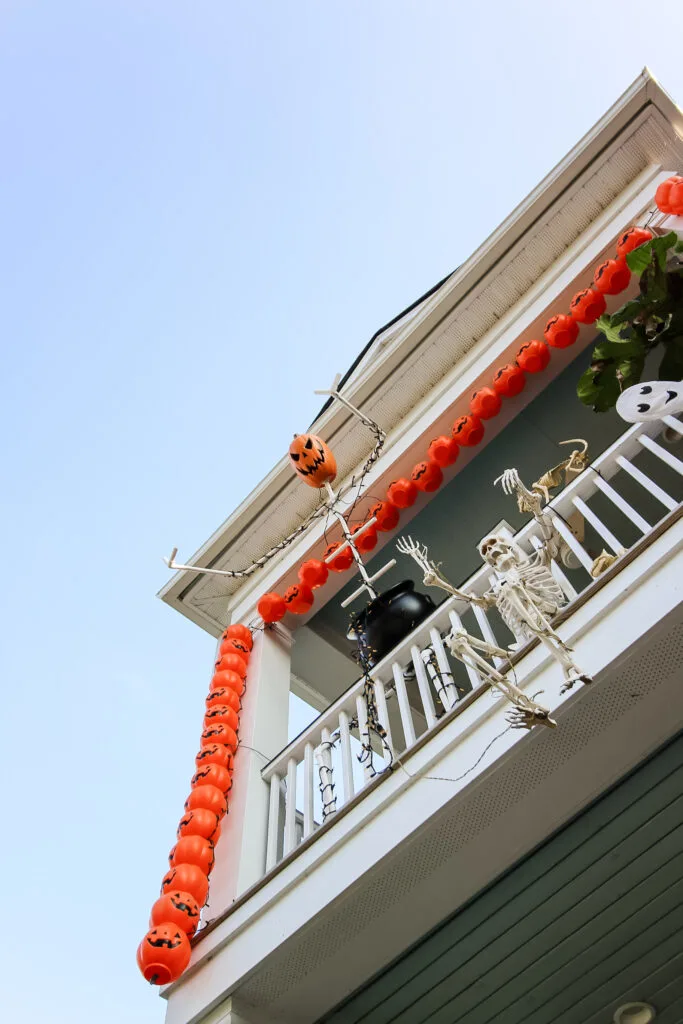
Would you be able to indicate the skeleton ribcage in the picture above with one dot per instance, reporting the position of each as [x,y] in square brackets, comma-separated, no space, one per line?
[532,588]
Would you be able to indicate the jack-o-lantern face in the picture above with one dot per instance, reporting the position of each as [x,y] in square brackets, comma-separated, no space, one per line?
[164,953]
[187,878]
[299,598]
[178,908]
[231,646]
[312,460]
[215,753]
[236,631]
[199,822]
[223,695]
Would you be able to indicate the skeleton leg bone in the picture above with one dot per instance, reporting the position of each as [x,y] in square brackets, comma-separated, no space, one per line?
[526,712]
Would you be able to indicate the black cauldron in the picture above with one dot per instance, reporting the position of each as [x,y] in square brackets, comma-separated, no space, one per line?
[389,618]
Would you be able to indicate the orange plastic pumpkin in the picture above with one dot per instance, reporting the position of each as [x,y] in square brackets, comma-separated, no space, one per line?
[213,775]
[187,878]
[612,277]
[271,607]
[587,305]
[193,850]
[208,797]
[200,822]
[509,380]
[236,631]
[215,753]
[219,732]
[231,646]
[342,562]
[533,356]
[631,239]
[386,516]
[312,460]
[223,695]
[221,713]
[485,403]
[231,662]
[176,907]
[676,198]
[313,573]
[402,493]
[427,476]
[299,598]
[561,331]
[368,538]
[228,680]
[663,195]
[164,953]
[468,431]
[443,450]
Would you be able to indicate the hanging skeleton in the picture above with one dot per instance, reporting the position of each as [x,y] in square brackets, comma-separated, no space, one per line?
[469,649]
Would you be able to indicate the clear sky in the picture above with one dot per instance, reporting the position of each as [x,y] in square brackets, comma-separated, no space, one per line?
[206,210]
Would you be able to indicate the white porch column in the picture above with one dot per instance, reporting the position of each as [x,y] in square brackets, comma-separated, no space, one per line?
[241,849]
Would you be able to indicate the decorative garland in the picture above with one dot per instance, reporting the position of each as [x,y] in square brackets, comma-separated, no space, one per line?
[164,952]
[611,277]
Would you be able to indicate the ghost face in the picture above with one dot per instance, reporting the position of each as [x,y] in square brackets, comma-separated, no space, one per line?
[499,553]
[650,401]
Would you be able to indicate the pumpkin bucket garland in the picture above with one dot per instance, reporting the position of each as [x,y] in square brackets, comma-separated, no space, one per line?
[587,305]
[631,239]
[533,356]
[178,908]
[313,573]
[386,516]
[187,878]
[312,460]
[612,277]
[443,450]
[427,476]
[271,607]
[665,196]
[215,753]
[468,431]
[213,775]
[509,380]
[299,598]
[402,493]
[561,331]
[342,562]
[164,953]
[200,822]
[485,403]
[368,538]
[193,850]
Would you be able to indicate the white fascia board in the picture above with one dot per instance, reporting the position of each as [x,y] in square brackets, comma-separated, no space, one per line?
[452,393]
[491,255]
[627,609]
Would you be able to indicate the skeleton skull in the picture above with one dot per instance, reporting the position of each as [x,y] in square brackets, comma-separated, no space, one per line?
[499,552]
[650,401]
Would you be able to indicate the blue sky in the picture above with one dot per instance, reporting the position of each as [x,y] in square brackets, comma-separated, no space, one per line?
[206,210]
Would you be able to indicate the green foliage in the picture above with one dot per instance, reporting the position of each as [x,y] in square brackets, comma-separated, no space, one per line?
[654,318]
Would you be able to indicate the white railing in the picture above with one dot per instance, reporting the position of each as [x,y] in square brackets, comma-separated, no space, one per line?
[419,682]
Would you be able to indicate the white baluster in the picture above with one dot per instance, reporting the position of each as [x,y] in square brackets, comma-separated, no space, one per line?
[558,572]
[622,505]
[423,686]
[573,544]
[675,424]
[403,705]
[290,808]
[309,778]
[668,457]
[364,736]
[383,711]
[654,489]
[486,631]
[347,765]
[323,756]
[273,822]
[598,525]
[473,675]
[442,661]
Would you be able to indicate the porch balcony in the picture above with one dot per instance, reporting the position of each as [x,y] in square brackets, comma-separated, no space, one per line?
[345,888]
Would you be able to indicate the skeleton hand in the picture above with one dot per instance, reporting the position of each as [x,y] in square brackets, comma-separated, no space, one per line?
[511,483]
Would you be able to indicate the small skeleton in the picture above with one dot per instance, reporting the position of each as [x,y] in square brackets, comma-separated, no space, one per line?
[469,649]
[525,592]
[571,467]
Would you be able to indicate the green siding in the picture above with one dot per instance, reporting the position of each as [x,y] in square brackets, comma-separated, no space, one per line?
[591,919]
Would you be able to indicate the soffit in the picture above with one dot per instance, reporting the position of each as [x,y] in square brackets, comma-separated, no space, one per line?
[409,359]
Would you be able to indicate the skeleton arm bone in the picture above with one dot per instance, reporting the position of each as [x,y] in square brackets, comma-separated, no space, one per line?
[531,501]
[432,577]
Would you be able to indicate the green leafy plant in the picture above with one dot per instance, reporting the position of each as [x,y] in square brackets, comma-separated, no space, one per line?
[654,318]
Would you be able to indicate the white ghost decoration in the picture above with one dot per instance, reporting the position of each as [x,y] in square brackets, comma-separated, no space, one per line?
[650,400]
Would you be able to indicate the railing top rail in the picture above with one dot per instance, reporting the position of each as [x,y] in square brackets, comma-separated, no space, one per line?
[581,486]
